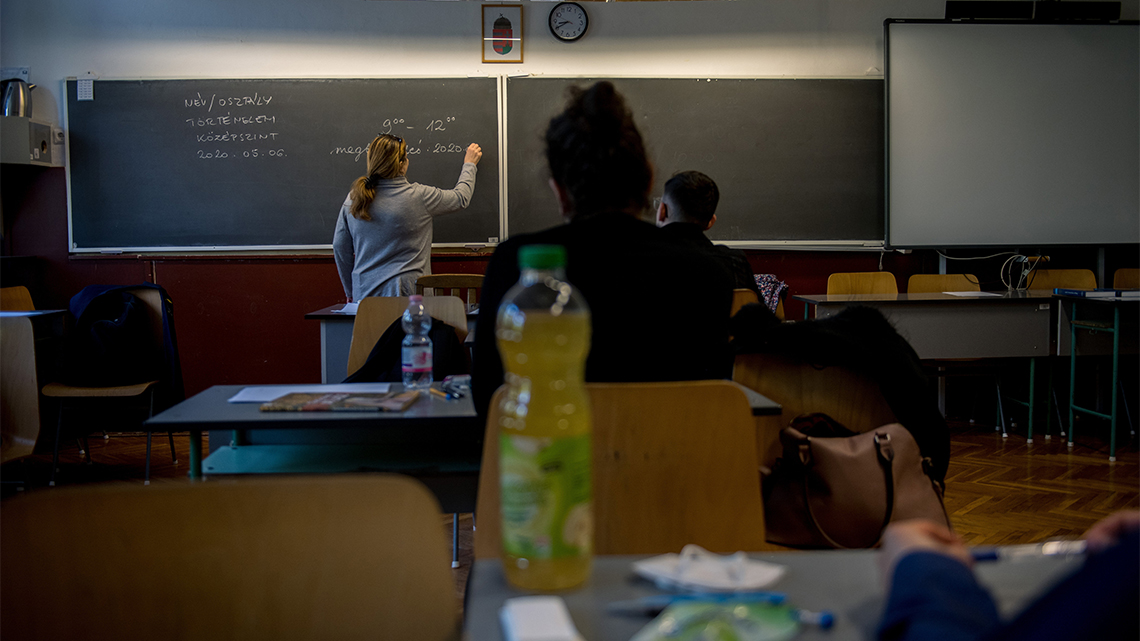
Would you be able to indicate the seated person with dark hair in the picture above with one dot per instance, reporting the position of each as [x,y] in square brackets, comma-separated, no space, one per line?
[933,595]
[658,312]
[688,210]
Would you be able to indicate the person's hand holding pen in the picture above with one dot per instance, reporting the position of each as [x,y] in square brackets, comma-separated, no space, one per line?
[474,153]
[919,535]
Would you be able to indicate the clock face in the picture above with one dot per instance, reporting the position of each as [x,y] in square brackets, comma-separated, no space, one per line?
[568,21]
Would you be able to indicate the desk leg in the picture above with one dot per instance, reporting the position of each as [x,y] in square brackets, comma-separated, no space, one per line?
[195,455]
[1115,381]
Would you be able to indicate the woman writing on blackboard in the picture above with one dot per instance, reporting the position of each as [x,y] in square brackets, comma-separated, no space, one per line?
[383,236]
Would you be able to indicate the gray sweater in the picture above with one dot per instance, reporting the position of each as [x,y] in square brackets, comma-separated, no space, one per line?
[384,256]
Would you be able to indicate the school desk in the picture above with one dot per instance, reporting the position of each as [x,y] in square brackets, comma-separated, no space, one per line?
[336,339]
[438,441]
[844,582]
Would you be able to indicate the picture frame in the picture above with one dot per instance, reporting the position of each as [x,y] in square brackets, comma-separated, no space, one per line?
[503,33]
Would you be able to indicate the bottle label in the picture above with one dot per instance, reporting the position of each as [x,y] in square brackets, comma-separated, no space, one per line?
[416,358]
[545,496]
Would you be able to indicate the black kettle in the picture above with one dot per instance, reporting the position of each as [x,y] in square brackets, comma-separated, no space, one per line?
[17,96]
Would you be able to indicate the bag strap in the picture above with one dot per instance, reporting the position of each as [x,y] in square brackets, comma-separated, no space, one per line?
[885,454]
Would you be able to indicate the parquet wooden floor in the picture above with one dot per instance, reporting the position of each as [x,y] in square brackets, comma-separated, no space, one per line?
[998,490]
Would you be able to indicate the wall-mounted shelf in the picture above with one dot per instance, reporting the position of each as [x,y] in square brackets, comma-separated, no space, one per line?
[24,141]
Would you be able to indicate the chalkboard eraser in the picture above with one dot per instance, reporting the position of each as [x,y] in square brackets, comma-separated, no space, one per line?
[110,251]
[474,246]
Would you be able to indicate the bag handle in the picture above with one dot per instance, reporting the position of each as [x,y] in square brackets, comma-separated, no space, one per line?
[885,455]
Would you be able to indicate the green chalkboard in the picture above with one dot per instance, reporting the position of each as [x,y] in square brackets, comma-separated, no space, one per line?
[218,164]
[795,160]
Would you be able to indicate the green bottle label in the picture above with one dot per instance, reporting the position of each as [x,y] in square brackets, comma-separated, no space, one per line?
[545,496]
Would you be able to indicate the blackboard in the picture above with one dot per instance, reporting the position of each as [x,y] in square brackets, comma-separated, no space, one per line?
[795,160]
[215,164]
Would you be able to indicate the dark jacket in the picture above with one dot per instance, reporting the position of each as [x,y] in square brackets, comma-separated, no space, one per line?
[936,598]
[383,364]
[734,261]
[659,312]
[112,345]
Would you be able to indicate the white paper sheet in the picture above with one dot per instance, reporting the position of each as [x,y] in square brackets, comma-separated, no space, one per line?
[349,308]
[972,294]
[266,393]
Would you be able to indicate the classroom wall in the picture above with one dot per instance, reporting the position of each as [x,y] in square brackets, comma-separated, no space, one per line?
[238,319]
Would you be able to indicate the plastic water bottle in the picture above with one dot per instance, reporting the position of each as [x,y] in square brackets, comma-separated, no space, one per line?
[415,351]
[543,333]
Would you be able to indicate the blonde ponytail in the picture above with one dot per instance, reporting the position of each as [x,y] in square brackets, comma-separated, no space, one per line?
[386,156]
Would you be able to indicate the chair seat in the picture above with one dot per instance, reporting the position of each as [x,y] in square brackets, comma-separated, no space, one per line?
[59,390]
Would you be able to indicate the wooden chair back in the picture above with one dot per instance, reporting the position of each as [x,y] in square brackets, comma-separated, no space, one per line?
[935,283]
[354,557]
[1049,279]
[742,296]
[376,313]
[19,389]
[862,283]
[451,285]
[673,463]
[16,299]
[800,388]
[1126,278]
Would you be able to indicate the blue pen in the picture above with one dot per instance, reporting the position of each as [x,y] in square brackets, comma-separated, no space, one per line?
[654,604]
[1012,552]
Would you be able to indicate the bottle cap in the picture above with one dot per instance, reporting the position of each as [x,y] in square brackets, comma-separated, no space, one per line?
[542,256]
[415,298]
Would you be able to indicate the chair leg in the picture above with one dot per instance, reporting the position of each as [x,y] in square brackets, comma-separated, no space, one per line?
[1057,412]
[173,454]
[86,451]
[454,539]
[106,436]
[1127,411]
[146,475]
[55,450]
[79,444]
[1000,415]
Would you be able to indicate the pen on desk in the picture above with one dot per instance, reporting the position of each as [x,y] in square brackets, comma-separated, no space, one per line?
[1029,550]
[653,605]
[444,396]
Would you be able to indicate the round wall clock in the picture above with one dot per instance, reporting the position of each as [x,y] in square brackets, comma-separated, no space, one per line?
[568,21]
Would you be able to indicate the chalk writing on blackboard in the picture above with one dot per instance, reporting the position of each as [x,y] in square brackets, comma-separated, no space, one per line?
[229,119]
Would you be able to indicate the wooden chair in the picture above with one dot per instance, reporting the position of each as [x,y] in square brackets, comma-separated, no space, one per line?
[15,299]
[1126,278]
[376,313]
[800,388]
[742,296]
[673,463]
[122,394]
[343,557]
[1048,279]
[934,283]
[862,283]
[19,389]
[451,285]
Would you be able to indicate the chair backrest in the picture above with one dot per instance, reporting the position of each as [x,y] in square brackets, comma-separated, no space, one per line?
[673,463]
[934,283]
[353,557]
[1126,278]
[1048,279]
[16,299]
[801,388]
[19,389]
[862,283]
[451,285]
[376,313]
[742,296]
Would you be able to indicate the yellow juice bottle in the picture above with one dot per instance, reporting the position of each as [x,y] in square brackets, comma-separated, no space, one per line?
[543,332]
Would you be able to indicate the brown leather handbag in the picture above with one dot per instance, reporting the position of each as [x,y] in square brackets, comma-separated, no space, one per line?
[833,488]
